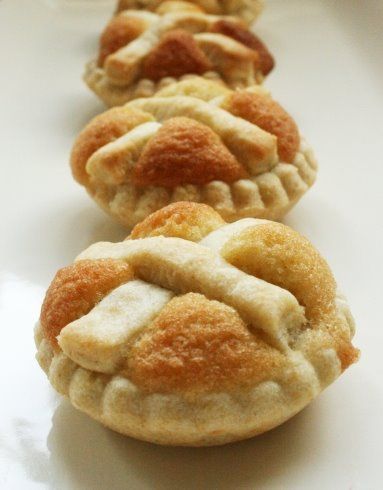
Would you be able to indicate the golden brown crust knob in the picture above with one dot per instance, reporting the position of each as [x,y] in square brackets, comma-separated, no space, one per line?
[100,131]
[185,151]
[120,31]
[199,345]
[266,113]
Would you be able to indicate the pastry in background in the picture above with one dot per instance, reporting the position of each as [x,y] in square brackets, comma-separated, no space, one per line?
[238,151]
[194,331]
[141,52]
[248,10]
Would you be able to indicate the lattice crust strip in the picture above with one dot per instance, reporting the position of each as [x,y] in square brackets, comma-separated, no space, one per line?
[270,195]
[270,308]
[128,309]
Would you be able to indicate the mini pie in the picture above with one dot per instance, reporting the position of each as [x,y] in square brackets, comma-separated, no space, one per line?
[248,10]
[239,152]
[142,52]
[194,331]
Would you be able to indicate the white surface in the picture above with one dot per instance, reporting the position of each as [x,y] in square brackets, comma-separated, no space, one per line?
[330,75]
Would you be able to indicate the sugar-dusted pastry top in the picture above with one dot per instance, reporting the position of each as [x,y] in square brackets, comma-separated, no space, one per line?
[190,306]
[140,52]
[197,140]
[248,10]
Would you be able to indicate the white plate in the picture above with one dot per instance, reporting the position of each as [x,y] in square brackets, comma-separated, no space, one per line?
[329,75]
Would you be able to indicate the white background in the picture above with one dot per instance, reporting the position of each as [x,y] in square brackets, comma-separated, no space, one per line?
[329,75]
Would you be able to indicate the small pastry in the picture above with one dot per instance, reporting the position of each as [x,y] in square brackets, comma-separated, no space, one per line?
[194,331]
[239,152]
[248,10]
[142,52]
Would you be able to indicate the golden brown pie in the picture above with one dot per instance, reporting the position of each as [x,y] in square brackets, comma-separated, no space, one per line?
[194,331]
[239,152]
[248,10]
[142,52]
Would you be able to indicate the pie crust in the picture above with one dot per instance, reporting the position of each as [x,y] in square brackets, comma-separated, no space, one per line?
[237,151]
[194,331]
[248,10]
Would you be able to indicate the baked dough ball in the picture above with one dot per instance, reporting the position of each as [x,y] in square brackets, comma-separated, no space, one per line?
[248,10]
[239,152]
[142,52]
[194,331]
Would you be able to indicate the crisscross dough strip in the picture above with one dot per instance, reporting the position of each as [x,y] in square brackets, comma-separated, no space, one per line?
[113,163]
[123,29]
[183,266]
[231,58]
[97,340]
[254,148]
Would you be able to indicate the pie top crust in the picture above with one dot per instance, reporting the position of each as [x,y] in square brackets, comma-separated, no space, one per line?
[197,140]
[141,52]
[190,318]
[248,10]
